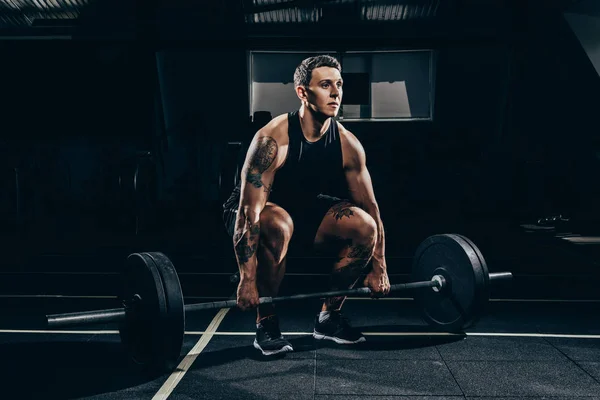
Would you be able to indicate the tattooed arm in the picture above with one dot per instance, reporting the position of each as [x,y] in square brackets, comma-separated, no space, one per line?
[258,171]
[362,194]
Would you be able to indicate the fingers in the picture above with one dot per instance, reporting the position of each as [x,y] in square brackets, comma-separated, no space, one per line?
[386,287]
[378,291]
[247,305]
[378,288]
[247,297]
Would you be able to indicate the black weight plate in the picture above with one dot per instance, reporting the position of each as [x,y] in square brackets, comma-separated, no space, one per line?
[175,325]
[486,274]
[460,303]
[153,330]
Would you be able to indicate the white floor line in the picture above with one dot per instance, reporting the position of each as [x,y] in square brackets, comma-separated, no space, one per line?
[545,300]
[211,331]
[168,387]
[492,334]
[541,335]
[491,300]
[8,296]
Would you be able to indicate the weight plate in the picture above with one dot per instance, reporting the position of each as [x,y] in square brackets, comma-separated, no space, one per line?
[465,294]
[153,329]
[175,325]
[486,273]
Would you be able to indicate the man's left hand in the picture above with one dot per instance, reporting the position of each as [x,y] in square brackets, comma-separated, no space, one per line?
[378,282]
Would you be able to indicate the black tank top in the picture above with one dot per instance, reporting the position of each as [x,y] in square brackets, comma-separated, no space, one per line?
[310,168]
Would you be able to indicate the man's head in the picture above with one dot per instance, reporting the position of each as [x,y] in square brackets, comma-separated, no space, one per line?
[318,83]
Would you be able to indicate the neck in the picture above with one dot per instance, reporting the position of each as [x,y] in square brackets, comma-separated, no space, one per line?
[314,125]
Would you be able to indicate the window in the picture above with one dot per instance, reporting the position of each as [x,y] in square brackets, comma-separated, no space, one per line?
[390,85]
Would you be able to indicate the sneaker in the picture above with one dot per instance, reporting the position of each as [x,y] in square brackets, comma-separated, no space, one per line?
[269,339]
[337,328]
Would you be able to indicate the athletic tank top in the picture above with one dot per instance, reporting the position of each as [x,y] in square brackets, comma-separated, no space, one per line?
[310,168]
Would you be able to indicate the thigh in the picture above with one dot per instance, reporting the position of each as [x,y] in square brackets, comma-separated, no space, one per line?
[272,217]
[343,224]
[276,224]
[276,230]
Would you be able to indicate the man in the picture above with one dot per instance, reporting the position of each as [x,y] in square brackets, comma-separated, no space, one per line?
[305,177]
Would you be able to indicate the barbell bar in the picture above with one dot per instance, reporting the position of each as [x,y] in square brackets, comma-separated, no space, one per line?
[152,319]
[437,282]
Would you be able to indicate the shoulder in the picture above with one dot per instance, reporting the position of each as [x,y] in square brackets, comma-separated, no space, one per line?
[272,139]
[277,129]
[352,149]
[347,136]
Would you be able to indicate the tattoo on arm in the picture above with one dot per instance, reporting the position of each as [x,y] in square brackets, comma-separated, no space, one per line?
[261,159]
[254,179]
[246,246]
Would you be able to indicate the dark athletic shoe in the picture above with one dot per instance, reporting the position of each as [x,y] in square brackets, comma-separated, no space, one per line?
[269,339]
[337,328]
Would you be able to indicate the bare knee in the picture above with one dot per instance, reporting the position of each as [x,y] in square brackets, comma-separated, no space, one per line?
[361,227]
[276,229]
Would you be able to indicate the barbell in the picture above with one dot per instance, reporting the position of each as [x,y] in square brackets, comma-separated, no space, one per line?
[449,275]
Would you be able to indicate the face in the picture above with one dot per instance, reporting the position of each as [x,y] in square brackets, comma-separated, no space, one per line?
[324,93]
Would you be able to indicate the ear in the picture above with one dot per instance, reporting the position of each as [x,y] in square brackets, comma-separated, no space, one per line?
[301,92]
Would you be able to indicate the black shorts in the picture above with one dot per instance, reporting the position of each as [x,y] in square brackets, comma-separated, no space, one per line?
[306,217]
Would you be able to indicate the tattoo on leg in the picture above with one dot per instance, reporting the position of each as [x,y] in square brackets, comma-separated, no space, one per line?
[341,210]
[261,158]
[351,265]
[360,251]
[344,278]
[348,268]
[355,266]
[356,251]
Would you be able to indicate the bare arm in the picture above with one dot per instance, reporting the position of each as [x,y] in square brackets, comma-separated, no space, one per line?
[362,194]
[257,177]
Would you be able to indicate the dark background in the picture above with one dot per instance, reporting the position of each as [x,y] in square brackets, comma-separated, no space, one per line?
[513,139]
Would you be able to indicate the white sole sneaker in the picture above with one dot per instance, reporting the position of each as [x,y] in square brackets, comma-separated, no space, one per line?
[320,336]
[284,349]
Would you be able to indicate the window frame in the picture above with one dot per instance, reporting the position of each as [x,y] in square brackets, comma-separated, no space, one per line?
[340,55]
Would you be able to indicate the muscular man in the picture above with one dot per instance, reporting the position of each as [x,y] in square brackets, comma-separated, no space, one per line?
[305,177]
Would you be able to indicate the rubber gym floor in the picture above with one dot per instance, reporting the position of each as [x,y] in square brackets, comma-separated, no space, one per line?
[539,338]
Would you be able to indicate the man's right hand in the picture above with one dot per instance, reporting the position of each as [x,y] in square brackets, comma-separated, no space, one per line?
[247,295]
